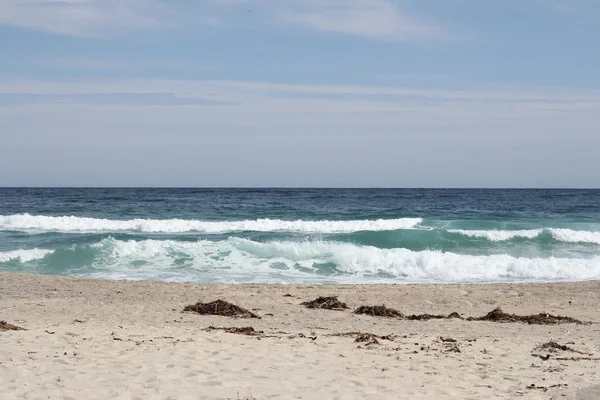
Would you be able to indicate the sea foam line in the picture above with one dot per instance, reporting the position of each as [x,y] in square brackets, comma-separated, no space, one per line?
[83,224]
[559,234]
[498,235]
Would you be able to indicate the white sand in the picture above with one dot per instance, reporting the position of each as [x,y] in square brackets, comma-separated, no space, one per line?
[133,342]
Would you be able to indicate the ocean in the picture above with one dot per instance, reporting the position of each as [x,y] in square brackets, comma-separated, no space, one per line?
[303,235]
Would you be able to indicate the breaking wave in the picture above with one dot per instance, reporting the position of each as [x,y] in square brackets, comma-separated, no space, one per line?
[243,260]
[81,224]
[560,235]
[24,255]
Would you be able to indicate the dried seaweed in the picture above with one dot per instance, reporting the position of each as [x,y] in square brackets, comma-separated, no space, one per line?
[497,315]
[362,336]
[549,349]
[379,311]
[5,326]
[426,317]
[366,338]
[327,303]
[545,388]
[220,307]
[552,345]
[448,340]
[246,330]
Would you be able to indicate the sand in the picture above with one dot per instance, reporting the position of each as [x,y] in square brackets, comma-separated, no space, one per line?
[99,339]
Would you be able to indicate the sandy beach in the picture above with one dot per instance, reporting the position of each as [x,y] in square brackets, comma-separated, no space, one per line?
[100,339]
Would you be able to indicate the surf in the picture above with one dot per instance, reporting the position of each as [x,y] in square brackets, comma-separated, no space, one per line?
[237,259]
[41,223]
[558,234]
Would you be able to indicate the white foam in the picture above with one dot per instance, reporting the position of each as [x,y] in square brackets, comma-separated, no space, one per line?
[299,262]
[24,255]
[81,224]
[571,236]
[437,266]
[561,235]
[498,235]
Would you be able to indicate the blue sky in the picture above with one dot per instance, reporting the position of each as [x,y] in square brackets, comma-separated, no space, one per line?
[429,93]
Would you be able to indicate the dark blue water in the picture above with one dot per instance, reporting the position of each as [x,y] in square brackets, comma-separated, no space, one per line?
[303,235]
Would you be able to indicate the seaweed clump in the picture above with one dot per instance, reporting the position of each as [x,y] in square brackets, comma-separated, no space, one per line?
[497,315]
[220,307]
[379,311]
[327,303]
[5,326]
[553,347]
[367,338]
[427,317]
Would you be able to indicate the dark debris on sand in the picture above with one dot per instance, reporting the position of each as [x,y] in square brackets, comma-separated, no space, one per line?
[545,388]
[5,326]
[379,311]
[553,347]
[220,307]
[427,317]
[452,348]
[328,303]
[364,337]
[556,346]
[497,315]
[246,330]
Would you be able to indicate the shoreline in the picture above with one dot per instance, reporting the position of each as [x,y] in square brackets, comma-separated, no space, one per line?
[316,283]
[96,338]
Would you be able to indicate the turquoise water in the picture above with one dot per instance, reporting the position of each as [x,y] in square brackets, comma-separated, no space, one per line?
[303,235]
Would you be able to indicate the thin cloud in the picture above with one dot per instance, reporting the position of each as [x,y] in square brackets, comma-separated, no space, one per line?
[81,17]
[375,19]
[79,64]
[264,97]
[585,11]
[109,99]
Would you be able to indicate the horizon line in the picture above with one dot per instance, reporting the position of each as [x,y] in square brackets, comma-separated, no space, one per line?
[307,187]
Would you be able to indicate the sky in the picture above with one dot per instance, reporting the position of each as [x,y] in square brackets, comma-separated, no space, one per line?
[296,93]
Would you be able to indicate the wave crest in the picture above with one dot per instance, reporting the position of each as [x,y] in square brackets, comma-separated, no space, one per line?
[498,235]
[24,255]
[83,224]
[558,234]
